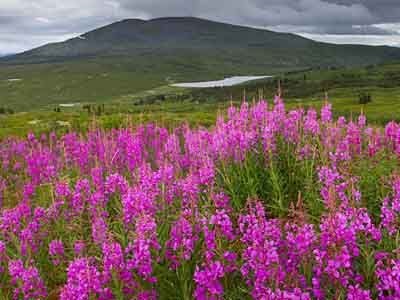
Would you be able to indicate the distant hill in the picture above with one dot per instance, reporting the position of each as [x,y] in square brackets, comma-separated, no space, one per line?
[176,38]
[134,55]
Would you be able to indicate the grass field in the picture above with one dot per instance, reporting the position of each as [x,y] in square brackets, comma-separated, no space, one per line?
[170,106]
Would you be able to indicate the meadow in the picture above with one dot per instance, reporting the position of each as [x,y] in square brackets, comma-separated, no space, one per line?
[268,203]
[35,100]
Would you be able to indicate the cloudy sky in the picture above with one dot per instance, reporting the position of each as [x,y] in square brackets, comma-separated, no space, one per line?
[25,24]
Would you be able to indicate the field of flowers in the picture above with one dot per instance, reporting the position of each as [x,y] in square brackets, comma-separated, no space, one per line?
[267,204]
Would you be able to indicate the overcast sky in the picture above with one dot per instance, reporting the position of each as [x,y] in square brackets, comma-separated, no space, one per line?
[25,24]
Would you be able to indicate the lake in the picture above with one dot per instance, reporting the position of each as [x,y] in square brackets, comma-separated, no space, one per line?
[230,81]
[68,104]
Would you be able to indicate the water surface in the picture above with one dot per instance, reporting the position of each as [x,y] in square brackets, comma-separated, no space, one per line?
[230,81]
[68,104]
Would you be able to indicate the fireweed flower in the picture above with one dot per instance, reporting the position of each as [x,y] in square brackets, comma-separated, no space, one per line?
[268,140]
[221,201]
[208,285]
[79,247]
[375,140]
[223,224]
[62,190]
[2,248]
[338,248]
[291,126]
[114,183]
[76,151]
[182,241]
[97,201]
[56,251]
[143,198]
[299,243]
[79,197]
[3,255]
[357,293]
[279,111]
[388,274]
[261,257]
[390,210]
[113,260]
[354,138]
[341,122]
[326,113]
[3,186]
[99,230]
[311,125]
[27,281]
[259,113]
[330,180]
[41,165]
[136,202]
[210,240]
[32,235]
[362,121]
[115,271]
[84,281]
[140,250]
[97,175]
[12,220]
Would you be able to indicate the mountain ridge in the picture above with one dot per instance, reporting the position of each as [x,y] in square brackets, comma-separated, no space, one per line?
[201,37]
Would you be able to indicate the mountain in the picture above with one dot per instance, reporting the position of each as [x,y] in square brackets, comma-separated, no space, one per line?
[180,37]
[121,59]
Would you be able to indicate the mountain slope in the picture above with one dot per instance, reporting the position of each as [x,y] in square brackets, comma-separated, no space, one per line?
[183,36]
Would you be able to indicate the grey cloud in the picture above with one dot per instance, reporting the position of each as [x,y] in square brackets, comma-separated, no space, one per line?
[389,40]
[336,30]
[312,16]
[259,12]
[359,30]
[387,10]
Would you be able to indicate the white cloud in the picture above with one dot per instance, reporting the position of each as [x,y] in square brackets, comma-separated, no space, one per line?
[113,4]
[373,40]
[390,26]
[11,43]
[43,20]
